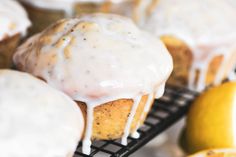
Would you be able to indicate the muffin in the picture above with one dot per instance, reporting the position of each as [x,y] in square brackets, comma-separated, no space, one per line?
[45,12]
[111,68]
[14,23]
[200,37]
[36,120]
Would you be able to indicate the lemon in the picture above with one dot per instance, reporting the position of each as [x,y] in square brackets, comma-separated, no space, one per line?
[211,121]
[216,153]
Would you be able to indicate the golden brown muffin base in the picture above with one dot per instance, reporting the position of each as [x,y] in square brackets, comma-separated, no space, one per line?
[7,48]
[183,59]
[110,118]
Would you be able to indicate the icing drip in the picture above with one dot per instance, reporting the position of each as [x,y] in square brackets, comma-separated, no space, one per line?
[201,80]
[90,110]
[160,91]
[221,71]
[140,11]
[148,104]
[135,134]
[227,68]
[89,128]
[130,119]
[192,77]
[224,70]
[143,9]
[69,11]
[200,85]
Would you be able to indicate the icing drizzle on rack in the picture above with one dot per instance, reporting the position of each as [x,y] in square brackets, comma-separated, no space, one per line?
[96,59]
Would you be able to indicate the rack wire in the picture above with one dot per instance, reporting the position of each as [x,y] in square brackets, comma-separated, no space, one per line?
[164,113]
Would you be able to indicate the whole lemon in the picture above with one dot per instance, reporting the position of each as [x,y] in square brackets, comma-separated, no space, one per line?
[211,121]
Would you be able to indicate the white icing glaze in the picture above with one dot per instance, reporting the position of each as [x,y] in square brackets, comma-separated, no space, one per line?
[147,107]
[142,9]
[130,119]
[89,128]
[36,120]
[207,30]
[96,59]
[135,134]
[13,19]
[159,93]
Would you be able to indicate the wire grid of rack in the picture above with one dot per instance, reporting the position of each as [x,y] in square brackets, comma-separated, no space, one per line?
[165,112]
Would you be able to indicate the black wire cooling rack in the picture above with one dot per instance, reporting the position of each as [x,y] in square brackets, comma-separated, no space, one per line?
[165,112]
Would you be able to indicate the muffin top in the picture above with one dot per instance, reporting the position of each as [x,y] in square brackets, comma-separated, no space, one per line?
[36,120]
[207,27]
[13,19]
[97,58]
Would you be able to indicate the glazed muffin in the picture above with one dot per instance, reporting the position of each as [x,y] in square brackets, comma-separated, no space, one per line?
[111,68]
[14,23]
[36,120]
[45,12]
[200,37]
